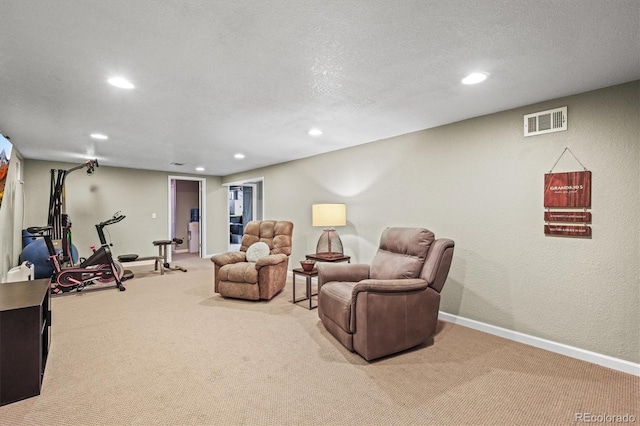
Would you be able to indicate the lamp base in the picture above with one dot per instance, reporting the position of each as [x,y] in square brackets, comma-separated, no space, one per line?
[329,243]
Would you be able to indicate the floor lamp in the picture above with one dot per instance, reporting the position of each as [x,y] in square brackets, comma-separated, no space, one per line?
[329,215]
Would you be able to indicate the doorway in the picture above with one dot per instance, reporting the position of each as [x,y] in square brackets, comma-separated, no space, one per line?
[187,218]
[245,203]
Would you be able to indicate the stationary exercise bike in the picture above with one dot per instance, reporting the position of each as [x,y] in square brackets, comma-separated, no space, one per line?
[100,266]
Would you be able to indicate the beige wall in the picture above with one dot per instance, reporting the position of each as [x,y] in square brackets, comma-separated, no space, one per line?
[136,193]
[480,182]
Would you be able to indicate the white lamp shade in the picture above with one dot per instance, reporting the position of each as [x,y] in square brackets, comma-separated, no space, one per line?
[329,214]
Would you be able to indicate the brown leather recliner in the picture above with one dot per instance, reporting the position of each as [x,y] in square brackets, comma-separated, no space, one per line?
[392,304]
[263,278]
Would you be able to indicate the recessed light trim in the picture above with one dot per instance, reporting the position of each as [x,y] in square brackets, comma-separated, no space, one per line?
[315,132]
[239,156]
[475,78]
[120,82]
[99,136]
[199,169]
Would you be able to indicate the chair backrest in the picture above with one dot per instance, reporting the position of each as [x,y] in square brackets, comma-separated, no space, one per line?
[402,253]
[436,267]
[275,233]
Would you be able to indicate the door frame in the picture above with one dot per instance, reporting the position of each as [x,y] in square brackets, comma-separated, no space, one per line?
[202,203]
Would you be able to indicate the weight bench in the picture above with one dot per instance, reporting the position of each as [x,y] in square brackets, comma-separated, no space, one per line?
[162,251]
[159,260]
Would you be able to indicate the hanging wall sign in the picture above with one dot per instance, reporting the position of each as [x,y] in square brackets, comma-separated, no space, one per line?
[565,191]
[569,189]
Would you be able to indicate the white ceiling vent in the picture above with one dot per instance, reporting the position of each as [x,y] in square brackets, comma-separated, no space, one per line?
[539,123]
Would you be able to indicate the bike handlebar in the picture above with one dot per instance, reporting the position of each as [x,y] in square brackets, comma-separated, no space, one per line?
[117,217]
[39,230]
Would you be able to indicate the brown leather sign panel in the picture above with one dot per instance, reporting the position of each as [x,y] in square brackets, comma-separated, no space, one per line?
[568,230]
[568,189]
[567,217]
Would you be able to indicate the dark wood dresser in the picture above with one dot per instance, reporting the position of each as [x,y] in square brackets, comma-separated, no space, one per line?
[25,336]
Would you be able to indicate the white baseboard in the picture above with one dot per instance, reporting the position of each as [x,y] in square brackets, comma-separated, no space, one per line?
[570,351]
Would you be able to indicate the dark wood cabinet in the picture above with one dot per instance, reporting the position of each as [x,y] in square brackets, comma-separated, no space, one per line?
[25,336]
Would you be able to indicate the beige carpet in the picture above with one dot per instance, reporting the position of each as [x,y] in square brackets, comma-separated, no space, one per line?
[168,351]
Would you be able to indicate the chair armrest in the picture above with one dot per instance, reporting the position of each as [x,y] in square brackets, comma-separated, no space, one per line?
[272,259]
[391,315]
[228,258]
[351,272]
[405,285]
[389,286]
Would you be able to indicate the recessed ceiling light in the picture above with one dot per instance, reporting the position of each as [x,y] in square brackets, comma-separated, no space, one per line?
[239,156]
[99,136]
[315,132]
[200,169]
[475,78]
[121,83]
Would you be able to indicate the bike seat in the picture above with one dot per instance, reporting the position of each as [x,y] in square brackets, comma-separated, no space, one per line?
[39,229]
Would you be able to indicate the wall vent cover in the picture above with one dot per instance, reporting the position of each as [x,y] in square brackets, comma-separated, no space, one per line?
[539,123]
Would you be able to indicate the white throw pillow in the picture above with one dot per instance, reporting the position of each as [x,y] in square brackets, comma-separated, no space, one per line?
[257,250]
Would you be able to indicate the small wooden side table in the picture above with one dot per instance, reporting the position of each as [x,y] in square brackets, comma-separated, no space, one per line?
[326,257]
[308,275]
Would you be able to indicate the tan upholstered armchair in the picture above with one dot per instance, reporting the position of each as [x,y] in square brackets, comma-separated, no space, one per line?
[392,304]
[238,275]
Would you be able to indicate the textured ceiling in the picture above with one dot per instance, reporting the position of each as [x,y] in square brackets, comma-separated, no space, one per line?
[214,78]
